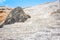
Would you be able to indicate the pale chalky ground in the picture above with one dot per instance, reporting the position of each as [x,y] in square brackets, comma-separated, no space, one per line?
[44,24]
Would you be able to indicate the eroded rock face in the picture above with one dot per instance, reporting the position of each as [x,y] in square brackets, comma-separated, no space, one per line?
[4,12]
[10,16]
[16,15]
[3,16]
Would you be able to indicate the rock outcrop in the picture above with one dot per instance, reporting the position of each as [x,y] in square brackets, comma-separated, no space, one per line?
[14,15]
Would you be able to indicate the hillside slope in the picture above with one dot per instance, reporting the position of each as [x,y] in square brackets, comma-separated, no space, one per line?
[44,24]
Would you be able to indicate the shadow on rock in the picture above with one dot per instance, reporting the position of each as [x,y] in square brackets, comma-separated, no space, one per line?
[16,15]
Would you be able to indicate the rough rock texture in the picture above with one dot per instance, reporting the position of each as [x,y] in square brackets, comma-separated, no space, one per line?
[10,16]
[16,15]
[4,11]
[44,24]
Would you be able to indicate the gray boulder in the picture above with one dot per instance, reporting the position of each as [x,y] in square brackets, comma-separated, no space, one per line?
[16,15]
